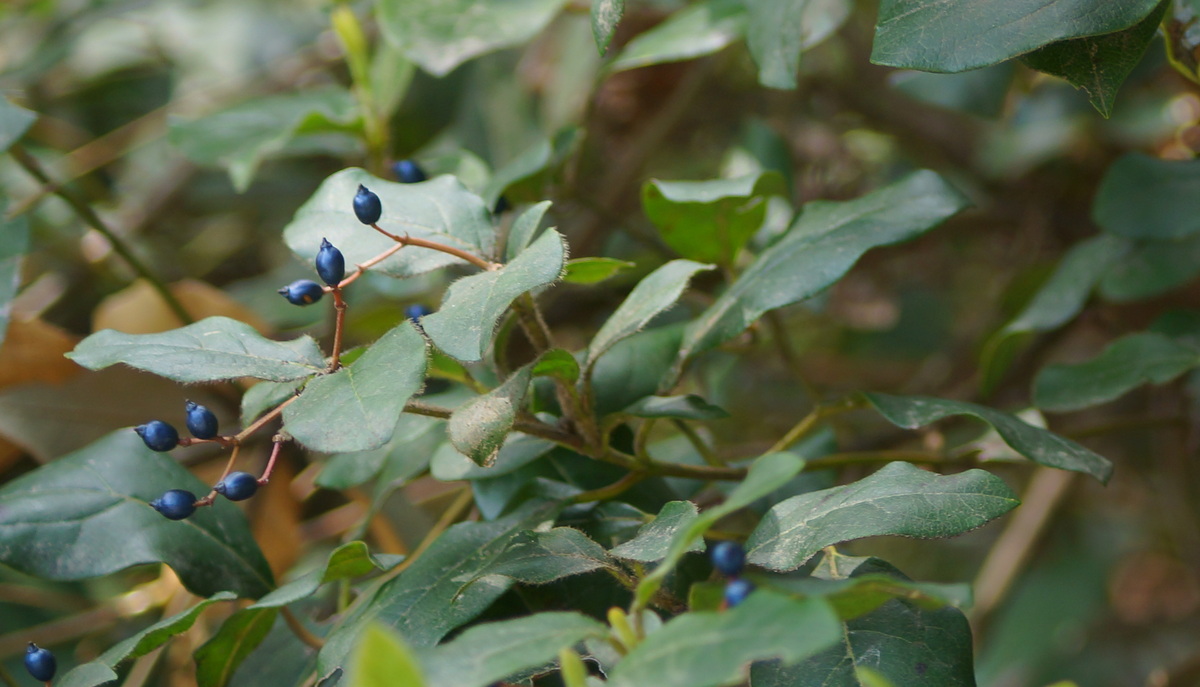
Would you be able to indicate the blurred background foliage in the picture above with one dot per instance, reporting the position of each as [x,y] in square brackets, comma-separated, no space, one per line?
[195,130]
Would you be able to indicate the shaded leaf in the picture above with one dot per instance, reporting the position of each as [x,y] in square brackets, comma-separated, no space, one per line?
[593,270]
[980,92]
[780,29]
[14,122]
[237,638]
[1127,363]
[448,464]
[524,228]
[710,221]
[543,557]
[855,596]
[382,659]
[653,540]
[694,31]
[630,370]
[12,249]
[557,363]
[479,427]
[1035,443]
[264,396]
[1151,268]
[83,516]
[216,348]
[606,14]
[349,560]
[690,407]
[1142,197]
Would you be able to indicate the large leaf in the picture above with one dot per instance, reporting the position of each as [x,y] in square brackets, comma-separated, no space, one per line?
[439,35]
[1151,268]
[102,670]
[1099,64]
[1034,443]
[957,35]
[606,14]
[463,326]
[88,514]
[14,122]
[543,557]
[653,294]
[440,210]
[700,29]
[821,246]
[707,649]
[356,408]
[630,370]
[212,349]
[710,221]
[653,540]
[479,427]
[240,138]
[899,499]
[780,29]
[1143,197]
[238,637]
[1127,363]
[16,241]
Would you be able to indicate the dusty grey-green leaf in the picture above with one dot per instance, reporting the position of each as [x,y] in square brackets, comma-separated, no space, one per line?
[696,30]
[352,559]
[653,540]
[606,14]
[479,427]
[543,557]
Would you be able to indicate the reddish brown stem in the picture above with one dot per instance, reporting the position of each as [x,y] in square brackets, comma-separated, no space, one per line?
[339,306]
[433,245]
[266,476]
[212,495]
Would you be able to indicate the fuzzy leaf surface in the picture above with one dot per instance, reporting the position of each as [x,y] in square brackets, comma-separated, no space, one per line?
[653,540]
[479,427]
[543,557]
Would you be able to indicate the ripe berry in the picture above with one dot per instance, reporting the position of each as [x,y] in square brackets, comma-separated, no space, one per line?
[417,311]
[237,486]
[302,292]
[200,421]
[728,558]
[736,591]
[331,266]
[40,663]
[158,435]
[409,172]
[176,504]
[367,207]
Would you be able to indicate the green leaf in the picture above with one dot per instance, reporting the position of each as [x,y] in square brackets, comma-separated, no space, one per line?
[653,540]
[88,514]
[1034,443]
[524,228]
[981,92]
[382,659]
[449,465]
[606,14]
[1142,197]
[593,270]
[957,35]
[240,138]
[710,221]
[1099,64]
[395,460]
[462,328]
[543,557]
[691,32]
[12,249]
[899,499]
[479,427]
[855,596]
[238,637]
[440,210]
[439,35]
[557,363]
[690,407]
[821,246]
[349,560]
[1127,363]
[213,349]
[264,396]
[706,649]
[780,29]
[654,294]
[493,651]
[631,369]
[1151,268]
[140,644]
[356,408]
[14,122]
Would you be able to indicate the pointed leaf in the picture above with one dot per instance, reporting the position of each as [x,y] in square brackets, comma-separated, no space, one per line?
[479,427]
[238,637]
[440,210]
[88,514]
[780,29]
[606,14]
[694,31]
[593,270]
[382,659]
[710,221]
[1143,197]
[356,408]
[1034,443]
[524,228]
[653,540]
[463,326]
[347,561]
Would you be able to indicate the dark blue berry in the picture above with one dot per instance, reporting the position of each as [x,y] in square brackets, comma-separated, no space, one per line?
[158,435]
[409,172]
[736,591]
[331,266]
[200,421]
[367,207]
[416,312]
[728,558]
[40,663]
[176,504]
[302,292]
[237,486]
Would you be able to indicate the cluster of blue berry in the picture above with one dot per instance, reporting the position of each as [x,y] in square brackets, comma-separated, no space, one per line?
[729,558]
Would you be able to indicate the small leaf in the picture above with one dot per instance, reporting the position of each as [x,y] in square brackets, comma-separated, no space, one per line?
[479,427]
[463,326]
[238,637]
[492,651]
[706,649]
[710,221]
[606,14]
[1143,197]
[694,31]
[12,249]
[654,294]
[593,270]
[1035,443]
[780,29]
[382,659]
[14,122]
[347,561]
[88,514]
[653,540]
[356,408]
[690,407]
[543,557]
[559,364]
[524,228]
[1127,363]
[213,349]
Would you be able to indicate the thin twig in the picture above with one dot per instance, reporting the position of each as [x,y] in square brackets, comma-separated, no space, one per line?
[697,443]
[269,416]
[610,491]
[809,423]
[433,245]
[339,306]
[302,633]
[275,449]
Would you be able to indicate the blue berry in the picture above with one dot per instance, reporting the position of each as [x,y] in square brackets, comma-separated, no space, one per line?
[40,663]
[367,207]
[416,312]
[736,591]
[200,421]
[158,435]
[409,172]
[302,292]
[176,504]
[331,266]
[728,558]
[237,486]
